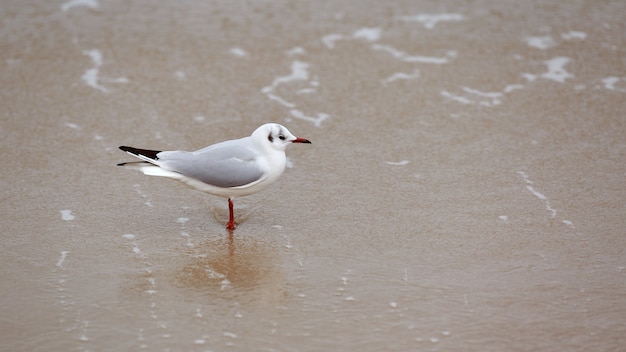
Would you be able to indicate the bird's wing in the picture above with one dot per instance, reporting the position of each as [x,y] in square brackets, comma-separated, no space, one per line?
[224,164]
[146,155]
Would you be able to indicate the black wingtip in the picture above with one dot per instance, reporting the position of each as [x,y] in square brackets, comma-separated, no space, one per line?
[152,154]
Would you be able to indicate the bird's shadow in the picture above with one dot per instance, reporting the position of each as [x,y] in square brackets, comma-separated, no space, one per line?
[232,263]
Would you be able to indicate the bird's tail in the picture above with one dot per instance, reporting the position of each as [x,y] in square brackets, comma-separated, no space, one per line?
[150,169]
[146,155]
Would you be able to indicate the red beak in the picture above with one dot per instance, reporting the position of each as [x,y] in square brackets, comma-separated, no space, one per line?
[301,140]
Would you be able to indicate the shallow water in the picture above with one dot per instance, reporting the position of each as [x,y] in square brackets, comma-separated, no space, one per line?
[465,189]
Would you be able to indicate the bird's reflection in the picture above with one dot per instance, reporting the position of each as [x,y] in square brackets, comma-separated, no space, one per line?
[232,262]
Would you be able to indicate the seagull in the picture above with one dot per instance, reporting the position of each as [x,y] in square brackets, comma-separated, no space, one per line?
[229,169]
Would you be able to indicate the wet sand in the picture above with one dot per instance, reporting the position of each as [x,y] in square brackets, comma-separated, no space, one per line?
[465,189]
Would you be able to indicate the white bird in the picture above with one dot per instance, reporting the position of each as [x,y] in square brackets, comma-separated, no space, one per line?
[228,169]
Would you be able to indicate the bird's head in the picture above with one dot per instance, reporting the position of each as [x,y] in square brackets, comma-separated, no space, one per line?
[276,136]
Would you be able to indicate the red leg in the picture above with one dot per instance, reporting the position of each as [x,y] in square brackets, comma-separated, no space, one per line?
[231,213]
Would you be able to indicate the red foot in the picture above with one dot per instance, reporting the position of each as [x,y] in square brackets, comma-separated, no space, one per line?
[231,221]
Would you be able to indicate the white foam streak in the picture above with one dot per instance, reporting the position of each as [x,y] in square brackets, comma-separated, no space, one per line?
[67,215]
[512,87]
[429,21]
[147,202]
[544,198]
[556,70]
[610,82]
[91,76]
[75,3]
[368,34]
[239,52]
[543,42]
[299,71]
[397,163]
[401,76]
[72,125]
[457,98]
[571,35]
[114,80]
[317,121]
[306,91]
[491,95]
[280,100]
[330,39]
[410,58]
[62,259]
[537,194]
[487,99]
[296,51]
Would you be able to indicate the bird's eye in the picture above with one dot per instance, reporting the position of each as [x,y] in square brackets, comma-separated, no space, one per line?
[281,137]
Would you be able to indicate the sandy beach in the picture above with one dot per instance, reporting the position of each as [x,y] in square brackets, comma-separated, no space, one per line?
[465,188]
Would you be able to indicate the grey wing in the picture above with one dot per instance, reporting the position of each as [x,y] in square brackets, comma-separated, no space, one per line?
[225,164]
